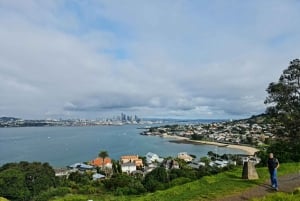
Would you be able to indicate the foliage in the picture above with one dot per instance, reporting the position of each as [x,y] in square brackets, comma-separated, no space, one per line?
[216,186]
[30,179]
[116,167]
[52,192]
[80,178]
[284,150]
[197,137]
[13,185]
[156,179]
[186,173]
[123,184]
[103,154]
[206,188]
[284,99]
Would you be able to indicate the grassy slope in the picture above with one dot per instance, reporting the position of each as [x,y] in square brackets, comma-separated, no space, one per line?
[206,188]
[280,196]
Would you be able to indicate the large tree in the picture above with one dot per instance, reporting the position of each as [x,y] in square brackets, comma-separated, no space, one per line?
[284,99]
[103,154]
[24,180]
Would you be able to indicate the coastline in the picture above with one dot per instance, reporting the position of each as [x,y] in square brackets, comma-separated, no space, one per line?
[185,140]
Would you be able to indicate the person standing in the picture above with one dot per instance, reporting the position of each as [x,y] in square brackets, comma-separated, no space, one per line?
[273,164]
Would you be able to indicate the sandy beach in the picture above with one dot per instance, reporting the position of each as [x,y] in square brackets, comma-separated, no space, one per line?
[249,150]
[178,139]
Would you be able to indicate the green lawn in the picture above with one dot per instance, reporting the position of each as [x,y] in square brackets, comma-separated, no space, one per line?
[206,188]
[280,197]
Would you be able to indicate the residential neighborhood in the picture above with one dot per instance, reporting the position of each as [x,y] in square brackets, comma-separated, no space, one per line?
[235,132]
[102,168]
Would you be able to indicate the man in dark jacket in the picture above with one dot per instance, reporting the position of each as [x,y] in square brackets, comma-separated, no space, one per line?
[273,164]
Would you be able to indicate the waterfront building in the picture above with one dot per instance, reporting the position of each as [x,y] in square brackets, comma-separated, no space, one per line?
[99,162]
[152,157]
[132,159]
[128,167]
[80,166]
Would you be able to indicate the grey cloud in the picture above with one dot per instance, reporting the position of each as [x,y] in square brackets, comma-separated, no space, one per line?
[180,60]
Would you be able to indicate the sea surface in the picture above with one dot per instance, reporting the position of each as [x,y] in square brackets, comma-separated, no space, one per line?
[62,146]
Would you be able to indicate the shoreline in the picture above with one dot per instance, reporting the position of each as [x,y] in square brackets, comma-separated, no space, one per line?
[185,140]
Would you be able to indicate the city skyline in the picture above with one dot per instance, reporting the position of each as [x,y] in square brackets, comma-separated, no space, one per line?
[157,59]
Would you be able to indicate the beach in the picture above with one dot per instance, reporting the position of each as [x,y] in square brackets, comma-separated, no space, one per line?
[249,150]
[178,139]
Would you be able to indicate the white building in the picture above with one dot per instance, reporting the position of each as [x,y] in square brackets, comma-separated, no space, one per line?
[128,167]
[151,157]
[98,176]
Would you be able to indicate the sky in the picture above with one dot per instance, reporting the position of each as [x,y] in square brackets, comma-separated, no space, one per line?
[198,59]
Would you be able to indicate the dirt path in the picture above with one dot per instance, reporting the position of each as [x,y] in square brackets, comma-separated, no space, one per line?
[286,183]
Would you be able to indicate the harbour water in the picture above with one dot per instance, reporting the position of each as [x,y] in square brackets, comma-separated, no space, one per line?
[61,146]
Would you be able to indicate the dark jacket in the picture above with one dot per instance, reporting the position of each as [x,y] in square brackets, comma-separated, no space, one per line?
[272,163]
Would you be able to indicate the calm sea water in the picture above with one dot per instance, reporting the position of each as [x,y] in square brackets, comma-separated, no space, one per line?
[61,146]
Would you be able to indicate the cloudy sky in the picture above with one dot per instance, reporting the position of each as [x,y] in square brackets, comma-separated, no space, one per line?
[171,58]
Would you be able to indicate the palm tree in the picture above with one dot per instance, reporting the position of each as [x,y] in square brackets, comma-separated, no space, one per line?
[103,154]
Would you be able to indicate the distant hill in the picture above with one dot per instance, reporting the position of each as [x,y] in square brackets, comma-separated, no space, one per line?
[256,119]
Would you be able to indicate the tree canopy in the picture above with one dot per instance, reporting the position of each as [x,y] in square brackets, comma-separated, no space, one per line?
[24,180]
[284,99]
[103,154]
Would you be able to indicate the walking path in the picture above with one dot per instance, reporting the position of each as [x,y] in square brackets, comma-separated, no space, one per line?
[286,183]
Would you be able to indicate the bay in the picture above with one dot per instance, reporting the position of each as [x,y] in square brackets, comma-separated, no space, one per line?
[62,146]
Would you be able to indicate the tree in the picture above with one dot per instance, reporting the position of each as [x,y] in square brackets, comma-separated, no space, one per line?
[21,181]
[205,160]
[284,99]
[12,185]
[103,154]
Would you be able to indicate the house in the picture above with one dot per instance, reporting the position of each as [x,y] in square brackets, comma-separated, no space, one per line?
[151,157]
[196,164]
[60,172]
[184,156]
[219,163]
[98,176]
[132,159]
[128,167]
[98,162]
[80,166]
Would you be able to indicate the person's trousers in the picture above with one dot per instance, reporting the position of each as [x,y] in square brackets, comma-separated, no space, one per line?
[273,177]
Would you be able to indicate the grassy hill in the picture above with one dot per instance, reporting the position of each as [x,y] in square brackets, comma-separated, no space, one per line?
[206,188]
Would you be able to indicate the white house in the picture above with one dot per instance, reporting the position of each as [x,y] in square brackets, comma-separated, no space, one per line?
[98,176]
[151,157]
[219,163]
[80,166]
[128,167]
[196,164]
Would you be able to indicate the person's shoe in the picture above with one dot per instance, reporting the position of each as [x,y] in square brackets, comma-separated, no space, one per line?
[276,189]
[273,186]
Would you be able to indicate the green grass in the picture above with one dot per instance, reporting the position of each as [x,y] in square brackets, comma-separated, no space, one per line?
[206,188]
[295,196]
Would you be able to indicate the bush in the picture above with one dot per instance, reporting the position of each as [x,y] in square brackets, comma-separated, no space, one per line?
[179,181]
[52,192]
